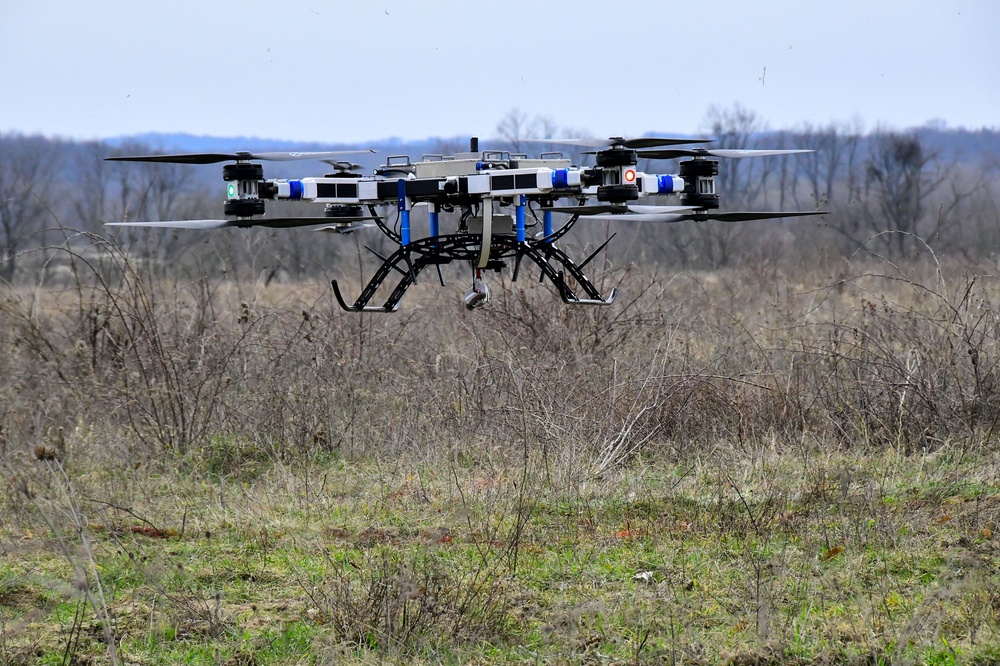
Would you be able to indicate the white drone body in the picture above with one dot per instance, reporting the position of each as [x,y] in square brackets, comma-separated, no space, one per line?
[481,187]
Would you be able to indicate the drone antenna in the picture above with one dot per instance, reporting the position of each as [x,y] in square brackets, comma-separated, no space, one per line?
[474,144]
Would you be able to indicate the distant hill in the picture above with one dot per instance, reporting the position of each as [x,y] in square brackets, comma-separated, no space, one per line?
[197,144]
[966,145]
[194,143]
[190,143]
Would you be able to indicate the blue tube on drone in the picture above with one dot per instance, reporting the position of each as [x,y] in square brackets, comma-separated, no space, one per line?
[519,217]
[435,226]
[295,189]
[404,227]
[404,213]
[669,184]
[560,178]
[547,224]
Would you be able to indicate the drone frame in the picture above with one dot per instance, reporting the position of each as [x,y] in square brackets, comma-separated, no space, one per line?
[474,182]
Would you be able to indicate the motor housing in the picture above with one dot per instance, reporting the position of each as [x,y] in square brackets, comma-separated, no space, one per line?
[699,183]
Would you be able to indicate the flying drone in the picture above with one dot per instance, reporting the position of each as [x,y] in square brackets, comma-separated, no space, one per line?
[485,197]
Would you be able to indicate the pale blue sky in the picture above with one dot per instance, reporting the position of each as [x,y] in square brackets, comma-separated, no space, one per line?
[325,71]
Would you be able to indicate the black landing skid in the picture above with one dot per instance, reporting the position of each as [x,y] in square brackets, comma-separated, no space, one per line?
[408,261]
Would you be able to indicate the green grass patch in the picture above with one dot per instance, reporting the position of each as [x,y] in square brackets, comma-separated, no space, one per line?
[357,562]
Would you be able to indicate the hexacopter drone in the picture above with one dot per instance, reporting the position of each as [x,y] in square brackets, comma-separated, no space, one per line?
[489,193]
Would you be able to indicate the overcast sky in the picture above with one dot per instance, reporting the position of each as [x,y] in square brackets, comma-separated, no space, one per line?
[325,71]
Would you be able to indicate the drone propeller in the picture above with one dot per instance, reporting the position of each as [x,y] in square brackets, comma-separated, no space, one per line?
[617,141]
[343,166]
[614,210]
[241,156]
[734,216]
[747,216]
[347,228]
[673,153]
[243,223]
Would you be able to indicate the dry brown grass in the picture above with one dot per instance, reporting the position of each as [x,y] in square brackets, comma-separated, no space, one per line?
[778,409]
[853,356]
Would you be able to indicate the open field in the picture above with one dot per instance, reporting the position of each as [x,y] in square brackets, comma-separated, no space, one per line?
[769,464]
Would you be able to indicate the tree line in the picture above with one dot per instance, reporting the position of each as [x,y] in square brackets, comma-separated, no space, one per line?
[894,193]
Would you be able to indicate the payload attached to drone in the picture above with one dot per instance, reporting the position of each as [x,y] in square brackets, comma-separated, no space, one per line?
[485,197]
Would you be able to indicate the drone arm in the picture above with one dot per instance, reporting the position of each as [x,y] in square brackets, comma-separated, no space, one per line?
[651,184]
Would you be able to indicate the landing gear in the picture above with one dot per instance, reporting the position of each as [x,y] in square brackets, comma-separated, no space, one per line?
[568,278]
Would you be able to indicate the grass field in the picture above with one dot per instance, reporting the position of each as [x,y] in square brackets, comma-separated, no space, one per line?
[769,465]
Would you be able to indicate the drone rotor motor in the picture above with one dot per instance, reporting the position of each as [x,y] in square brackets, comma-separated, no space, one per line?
[616,166]
[699,183]
[243,192]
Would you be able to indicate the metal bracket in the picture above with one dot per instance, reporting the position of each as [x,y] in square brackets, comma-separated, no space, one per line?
[484,249]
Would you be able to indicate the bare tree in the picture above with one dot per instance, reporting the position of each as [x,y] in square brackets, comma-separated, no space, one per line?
[834,150]
[90,196]
[514,127]
[900,177]
[27,169]
[147,190]
[737,128]
[143,191]
[712,244]
[831,176]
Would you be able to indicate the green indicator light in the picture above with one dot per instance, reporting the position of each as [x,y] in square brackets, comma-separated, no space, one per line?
[232,191]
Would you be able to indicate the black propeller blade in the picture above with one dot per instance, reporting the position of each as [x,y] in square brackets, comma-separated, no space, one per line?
[595,209]
[656,214]
[673,153]
[638,142]
[272,222]
[343,166]
[746,216]
[347,228]
[243,156]
[616,209]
